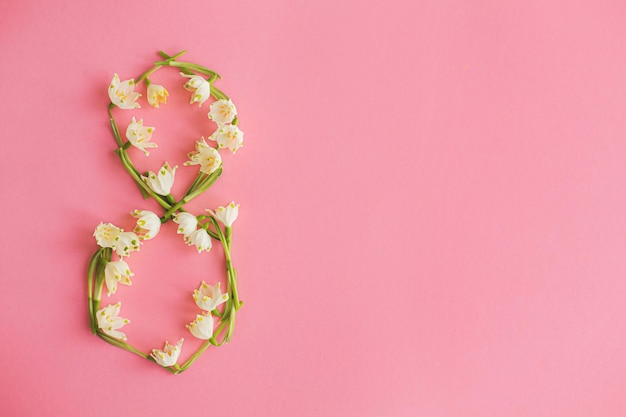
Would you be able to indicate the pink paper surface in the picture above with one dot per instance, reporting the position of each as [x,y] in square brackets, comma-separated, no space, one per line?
[432,219]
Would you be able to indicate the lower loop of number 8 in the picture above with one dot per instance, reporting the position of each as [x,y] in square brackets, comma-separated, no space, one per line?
[215,322]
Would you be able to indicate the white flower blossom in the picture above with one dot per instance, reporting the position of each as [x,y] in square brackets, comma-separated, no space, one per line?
[200,88]
[126,243]
[201,239]
[187,223]
[107,235]
[207,157]
[209,297]
[123,94]
[226,215]
[157,94]
[109,321]
[202,326]
[228,136]
[223,112]
[162,182]
[169,355]
[114,272]
[139,135]
[148,224]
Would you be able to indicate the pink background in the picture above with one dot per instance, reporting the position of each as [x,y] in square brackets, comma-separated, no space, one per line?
[433,199]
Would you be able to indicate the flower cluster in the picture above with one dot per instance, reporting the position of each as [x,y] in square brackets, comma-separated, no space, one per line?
[118,272]
[110,236]
[207,297]
[198,231]
[222,111]
[194,236]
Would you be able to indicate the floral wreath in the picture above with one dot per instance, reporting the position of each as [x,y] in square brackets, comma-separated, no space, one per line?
[197,230]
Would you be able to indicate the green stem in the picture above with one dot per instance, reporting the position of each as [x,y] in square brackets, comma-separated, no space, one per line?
[148,73]
[189,66]
[195,356]
[90,275]
[216,334]
[104,258]
[170,199]
[231,325]
[204,184]
[173,57]
[195,183]
[116,131]
[200,188]
[158,65]
[121,344]
[217,93]
[230,271]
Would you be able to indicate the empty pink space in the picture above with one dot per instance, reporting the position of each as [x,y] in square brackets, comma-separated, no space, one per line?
[432,208]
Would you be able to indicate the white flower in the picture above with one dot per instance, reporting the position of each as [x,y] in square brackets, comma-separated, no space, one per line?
[139,135]
[201,239]
[207,157]
[199,86]
[209,297]
[162,182]
[227,215]
[148,224]
[109,321]
[228,136]
[157,94]
[222,112]
[107,235]
[126,243]
[123,94]
[115,272]
[202,326]
[110,236]
[187,223]
[169,355]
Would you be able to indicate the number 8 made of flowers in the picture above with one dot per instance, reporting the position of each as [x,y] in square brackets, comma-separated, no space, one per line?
[109,267]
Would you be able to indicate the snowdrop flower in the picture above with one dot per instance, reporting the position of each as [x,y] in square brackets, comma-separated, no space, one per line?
[123,94]
[139,135]
[207,157]
[222,112]
[228,136]
[201,239]
[115,272]
[169,355]
[199,86]
[202,326]
[107,235]
[157,94]
[148,224]
[209,297]
[162,182]
[109,321]
[187,223]
[126,243]
[227,215]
